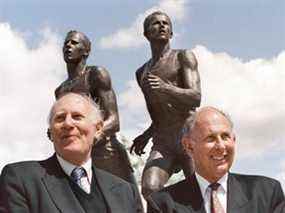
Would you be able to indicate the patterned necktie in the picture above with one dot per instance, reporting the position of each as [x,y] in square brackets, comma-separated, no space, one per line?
[77,173]
[216,206]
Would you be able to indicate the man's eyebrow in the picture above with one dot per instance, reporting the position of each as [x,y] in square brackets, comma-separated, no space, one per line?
[58,113]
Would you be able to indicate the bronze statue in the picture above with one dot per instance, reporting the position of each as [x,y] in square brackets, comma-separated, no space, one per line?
[170,83]
[109,154]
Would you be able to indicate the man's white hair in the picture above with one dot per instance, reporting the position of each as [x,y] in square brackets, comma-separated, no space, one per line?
[95,115]
[189,125]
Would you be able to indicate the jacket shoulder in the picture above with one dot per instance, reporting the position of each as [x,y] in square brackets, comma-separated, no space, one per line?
[177,191]
[22,167]
[254,179]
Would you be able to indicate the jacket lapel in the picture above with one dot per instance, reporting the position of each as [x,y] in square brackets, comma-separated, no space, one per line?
[57,185]
[188,193]
[196,196]
[236,196]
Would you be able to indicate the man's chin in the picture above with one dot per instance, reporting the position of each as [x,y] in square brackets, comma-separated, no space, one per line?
[71,151]
[222,169]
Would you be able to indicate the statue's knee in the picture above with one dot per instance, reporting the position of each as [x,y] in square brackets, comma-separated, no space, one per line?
[150,187]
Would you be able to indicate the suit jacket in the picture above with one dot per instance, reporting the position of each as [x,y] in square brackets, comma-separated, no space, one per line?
[43,187]
[246,194]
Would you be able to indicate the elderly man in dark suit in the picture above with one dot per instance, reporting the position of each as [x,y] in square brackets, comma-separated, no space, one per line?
[210,141]
[67,182]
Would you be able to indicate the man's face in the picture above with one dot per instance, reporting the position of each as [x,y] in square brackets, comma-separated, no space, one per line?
[74,48]
[73,128]
[159,28]
[211,144]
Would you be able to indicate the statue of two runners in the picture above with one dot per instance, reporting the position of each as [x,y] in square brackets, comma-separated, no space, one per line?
[170,83]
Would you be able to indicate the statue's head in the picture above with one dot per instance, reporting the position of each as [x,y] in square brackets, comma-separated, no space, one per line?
[76,47]
[157,26]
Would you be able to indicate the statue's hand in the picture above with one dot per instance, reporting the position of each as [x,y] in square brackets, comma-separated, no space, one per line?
[155,83]
[139,144]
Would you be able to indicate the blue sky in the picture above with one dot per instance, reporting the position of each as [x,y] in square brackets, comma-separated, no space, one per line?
[240,46]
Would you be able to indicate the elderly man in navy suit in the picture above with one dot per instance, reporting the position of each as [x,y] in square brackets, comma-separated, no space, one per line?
[67,182]
[210,141]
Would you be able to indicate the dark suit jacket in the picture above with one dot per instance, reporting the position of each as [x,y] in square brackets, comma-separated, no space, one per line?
[246,194]
[43,187]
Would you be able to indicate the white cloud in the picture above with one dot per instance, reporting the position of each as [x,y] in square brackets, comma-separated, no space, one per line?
[28,78]
[132,36]
[132,107]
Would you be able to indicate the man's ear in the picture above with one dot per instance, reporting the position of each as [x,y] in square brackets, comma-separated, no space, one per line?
[187,144]
[98,129]
[234,137]
[49,134]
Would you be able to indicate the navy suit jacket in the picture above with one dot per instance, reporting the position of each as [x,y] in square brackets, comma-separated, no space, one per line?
[43,187]
[246,194]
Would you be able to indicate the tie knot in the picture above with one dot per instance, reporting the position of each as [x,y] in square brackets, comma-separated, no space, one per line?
[77,173]
[214,186]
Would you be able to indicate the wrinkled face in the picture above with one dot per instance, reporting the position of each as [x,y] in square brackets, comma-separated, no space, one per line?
[74,48]
[211,144]
[73,128]
[159,28]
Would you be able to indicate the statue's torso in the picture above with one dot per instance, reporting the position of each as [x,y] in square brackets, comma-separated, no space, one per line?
[165,113]
[80,84]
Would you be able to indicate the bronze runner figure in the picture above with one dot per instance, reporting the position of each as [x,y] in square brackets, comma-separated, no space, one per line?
[95,81]
[170,83]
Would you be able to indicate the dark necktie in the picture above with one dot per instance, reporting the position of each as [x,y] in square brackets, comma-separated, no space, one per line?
[216,206]
[77,173]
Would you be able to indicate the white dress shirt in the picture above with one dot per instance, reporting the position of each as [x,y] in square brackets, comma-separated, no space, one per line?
[85,182]
[206,192]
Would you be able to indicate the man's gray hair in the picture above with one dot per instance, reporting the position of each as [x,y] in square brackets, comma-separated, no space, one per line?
[191,122]
[96,113]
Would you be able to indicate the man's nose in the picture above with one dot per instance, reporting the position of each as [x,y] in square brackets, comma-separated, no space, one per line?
[68,122]
[220,143]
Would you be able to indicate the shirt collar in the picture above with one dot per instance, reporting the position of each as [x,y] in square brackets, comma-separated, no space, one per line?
[68,167]
[203,183]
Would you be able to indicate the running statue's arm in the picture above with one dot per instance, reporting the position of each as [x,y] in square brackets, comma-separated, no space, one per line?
[108,103]
[142,140]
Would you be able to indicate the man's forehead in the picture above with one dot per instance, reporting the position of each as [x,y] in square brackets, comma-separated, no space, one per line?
[71,102]
[211,117]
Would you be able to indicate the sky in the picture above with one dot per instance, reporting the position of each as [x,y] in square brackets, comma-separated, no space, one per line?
[240,47]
